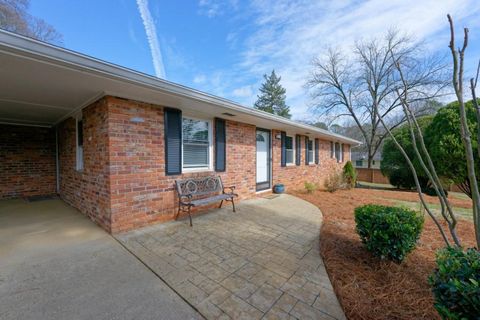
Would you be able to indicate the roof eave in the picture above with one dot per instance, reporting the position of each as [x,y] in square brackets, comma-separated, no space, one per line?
[18,43]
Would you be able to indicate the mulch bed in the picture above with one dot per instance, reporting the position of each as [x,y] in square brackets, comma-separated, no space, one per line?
[367,287]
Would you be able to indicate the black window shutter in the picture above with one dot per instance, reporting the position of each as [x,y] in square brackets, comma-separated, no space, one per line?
[306,150]
[220,145]
[173,141]
[298,151]
[317,152]
[332,151]
[283,161]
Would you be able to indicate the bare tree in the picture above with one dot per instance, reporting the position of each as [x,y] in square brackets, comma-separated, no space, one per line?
[15,18]
[458,56]
[364,89]
[417,139]
[422,156]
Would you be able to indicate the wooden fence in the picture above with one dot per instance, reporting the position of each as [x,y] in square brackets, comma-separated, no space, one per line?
[376,176]
[371,175]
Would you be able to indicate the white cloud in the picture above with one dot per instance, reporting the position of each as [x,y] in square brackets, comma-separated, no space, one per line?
[287,35]
[214,8]
[151,32]
[199,79]
[209,8]
[243,92]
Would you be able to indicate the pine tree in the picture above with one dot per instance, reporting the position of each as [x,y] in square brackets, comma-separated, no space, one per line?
[272,96]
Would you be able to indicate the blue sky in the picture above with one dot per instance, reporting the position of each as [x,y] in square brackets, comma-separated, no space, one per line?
[224,47]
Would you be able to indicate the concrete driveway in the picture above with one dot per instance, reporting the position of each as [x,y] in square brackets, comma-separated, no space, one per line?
[57,264]
[261,262]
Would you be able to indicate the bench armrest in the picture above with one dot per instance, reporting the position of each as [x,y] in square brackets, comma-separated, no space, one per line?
[188,196]
[232,188]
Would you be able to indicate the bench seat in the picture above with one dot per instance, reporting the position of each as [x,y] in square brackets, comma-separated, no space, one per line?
[216,198]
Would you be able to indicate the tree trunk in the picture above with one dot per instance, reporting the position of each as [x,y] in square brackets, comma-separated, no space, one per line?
[369,160]
[458,67]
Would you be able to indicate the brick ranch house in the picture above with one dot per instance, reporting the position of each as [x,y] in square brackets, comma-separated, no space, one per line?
[111,141]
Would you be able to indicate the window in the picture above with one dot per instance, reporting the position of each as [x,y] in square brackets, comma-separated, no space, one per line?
[289,149]
[310,151]
[359,163]
[337,151]
[373,162]
[79,133]
[196,139]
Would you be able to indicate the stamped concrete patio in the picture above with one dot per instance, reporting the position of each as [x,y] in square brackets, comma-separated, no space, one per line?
[261,262]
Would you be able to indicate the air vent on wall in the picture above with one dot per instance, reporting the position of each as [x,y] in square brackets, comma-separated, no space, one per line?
[228,114]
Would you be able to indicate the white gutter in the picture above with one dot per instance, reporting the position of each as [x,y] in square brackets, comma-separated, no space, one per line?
[59,56]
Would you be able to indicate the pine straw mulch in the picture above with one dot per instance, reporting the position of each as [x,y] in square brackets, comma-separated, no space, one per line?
[366,287]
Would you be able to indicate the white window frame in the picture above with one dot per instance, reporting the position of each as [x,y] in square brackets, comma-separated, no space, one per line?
[79,163]
[210,147]
[293,150]
[313,151]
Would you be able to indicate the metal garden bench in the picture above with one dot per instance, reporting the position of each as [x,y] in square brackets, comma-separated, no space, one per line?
[197,192]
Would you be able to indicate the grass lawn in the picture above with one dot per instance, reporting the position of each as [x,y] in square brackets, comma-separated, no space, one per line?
[367,287]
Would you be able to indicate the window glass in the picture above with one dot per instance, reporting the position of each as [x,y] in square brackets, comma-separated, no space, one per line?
[359,163]
[289,149]
[260,138]
[80,132]
[337,151]
[310,151]
[196,143]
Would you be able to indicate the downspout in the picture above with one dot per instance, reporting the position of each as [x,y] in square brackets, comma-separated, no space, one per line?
[57,164]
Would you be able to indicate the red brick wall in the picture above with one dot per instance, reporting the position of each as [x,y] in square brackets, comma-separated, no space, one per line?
[141,192]
[87,190]
[123,185]
[27,161]
[293,176]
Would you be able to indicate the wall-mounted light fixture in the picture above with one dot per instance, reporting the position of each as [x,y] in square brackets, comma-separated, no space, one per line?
[137,119]
[278,136]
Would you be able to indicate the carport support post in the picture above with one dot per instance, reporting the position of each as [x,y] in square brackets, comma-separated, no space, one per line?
[57,166]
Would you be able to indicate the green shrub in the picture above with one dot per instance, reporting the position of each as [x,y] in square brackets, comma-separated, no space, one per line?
[430,191]
[349,175]
[393,164]
[310,187]
[334,181]
[388,232]
[456,283]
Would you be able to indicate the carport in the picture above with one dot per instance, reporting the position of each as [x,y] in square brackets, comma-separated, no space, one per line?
[54,262]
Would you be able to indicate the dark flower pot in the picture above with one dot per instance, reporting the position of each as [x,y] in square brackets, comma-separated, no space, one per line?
[279,188]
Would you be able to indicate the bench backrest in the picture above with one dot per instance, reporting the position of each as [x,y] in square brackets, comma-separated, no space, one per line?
[199,186]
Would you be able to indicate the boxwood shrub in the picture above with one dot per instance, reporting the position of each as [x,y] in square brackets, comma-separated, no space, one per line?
[456,283]
[388,232]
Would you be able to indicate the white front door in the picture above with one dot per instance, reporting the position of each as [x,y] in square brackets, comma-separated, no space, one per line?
[263,159]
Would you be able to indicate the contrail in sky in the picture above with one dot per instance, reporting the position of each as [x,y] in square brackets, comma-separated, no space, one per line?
[152,38]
